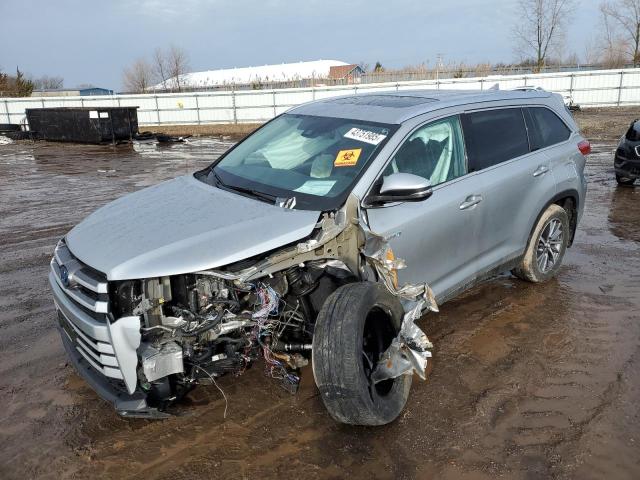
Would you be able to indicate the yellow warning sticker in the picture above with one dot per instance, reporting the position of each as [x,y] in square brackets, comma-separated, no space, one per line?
[347,158]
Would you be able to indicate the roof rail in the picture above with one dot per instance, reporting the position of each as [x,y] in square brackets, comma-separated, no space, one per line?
[527,88]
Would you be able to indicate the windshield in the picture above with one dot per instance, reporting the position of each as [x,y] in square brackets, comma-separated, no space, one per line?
[314,159]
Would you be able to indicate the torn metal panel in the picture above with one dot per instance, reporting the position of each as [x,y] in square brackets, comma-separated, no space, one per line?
[409,351]
[339,236]
[379,254]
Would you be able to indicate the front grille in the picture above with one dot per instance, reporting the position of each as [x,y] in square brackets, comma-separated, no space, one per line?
[86,287]
[82,302]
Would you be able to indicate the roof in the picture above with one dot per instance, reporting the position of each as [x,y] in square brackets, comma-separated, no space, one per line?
[266,73]
[399,106]
[341,71]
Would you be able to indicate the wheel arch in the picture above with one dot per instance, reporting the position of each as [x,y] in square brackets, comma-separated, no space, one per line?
[567,199]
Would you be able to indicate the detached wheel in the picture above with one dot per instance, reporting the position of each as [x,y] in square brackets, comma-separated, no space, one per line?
[624,180]
[546,247]
[354,327]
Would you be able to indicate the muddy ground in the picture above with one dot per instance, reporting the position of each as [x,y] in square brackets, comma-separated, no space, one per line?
[527,381]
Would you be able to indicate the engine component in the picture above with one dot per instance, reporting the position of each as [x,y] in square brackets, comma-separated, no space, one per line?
[156,292]
[279,346]
[161,362]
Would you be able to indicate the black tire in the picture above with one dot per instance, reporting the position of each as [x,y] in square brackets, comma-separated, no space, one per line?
[529,268]
[624,180]
[353,313]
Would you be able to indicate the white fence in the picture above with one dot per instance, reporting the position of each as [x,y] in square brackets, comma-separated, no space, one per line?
[588,89]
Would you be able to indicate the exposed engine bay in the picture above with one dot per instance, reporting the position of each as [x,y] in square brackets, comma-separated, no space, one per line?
[198,327]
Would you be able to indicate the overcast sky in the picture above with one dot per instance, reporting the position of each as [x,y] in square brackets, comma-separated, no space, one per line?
[90,41]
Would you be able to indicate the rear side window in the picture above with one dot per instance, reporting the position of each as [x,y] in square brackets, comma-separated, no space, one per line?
[494,136]
[545,128]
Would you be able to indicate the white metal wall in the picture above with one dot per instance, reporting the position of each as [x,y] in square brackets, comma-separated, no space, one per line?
[586,88]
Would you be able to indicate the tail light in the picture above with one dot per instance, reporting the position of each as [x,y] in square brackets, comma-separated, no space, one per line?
[585,147]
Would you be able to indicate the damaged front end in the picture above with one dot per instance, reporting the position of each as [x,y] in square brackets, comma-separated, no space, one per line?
[171,333]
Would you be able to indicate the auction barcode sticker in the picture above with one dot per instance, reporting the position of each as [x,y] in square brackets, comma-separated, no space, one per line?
[365,136]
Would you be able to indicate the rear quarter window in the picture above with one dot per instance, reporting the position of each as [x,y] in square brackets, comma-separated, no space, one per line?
[494,136]
[545,128]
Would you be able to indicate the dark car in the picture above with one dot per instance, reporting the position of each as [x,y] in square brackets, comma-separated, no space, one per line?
[627,159]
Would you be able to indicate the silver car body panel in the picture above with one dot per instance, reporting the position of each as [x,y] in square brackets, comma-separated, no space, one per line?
[182,226]
[434,236]
[185,226]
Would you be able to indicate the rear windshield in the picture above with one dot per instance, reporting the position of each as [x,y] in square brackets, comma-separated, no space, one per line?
[314,159]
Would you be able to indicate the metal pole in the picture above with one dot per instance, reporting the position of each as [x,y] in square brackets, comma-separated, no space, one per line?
[620,88]
[233,103]
[195,95]
[6,107]
[572,76]
[113,135]
[157,109]
[274,103]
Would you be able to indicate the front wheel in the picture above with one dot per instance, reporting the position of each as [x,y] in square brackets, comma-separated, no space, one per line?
[546,247]
[624,180]
[354,327]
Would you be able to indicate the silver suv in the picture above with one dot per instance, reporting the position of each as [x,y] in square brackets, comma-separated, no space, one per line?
[321,237]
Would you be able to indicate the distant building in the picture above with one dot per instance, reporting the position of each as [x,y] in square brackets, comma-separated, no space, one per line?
[347,73]
[304,73]
[71,92]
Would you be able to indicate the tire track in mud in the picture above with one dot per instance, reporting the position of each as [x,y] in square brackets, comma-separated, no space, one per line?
[544,420]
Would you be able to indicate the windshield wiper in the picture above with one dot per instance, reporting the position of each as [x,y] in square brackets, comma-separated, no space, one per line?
[217,178]
[254,193]
[263,196]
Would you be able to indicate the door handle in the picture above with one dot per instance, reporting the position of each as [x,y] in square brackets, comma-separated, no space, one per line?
[541,170]
[470,201]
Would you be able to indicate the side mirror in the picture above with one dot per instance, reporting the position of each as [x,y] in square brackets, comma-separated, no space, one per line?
[401,187]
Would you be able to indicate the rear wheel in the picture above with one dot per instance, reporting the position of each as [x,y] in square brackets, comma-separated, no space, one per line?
[624,180]
[354,327]
[546,247]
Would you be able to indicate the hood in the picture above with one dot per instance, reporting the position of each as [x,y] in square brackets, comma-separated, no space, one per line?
[182,226]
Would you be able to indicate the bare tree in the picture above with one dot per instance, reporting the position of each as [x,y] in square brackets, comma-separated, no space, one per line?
[160,67]
[170,67]
[621,25]
[540,32]
[178,62]
[591,54]
[48,83]
[138,77]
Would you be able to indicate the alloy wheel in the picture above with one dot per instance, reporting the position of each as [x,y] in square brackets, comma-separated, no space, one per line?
[549,245]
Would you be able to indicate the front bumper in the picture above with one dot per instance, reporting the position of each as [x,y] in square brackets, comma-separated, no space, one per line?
[103,353]
[628,168]
[126,405]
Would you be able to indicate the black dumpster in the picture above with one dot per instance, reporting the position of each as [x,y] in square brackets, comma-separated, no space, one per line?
[83,124]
